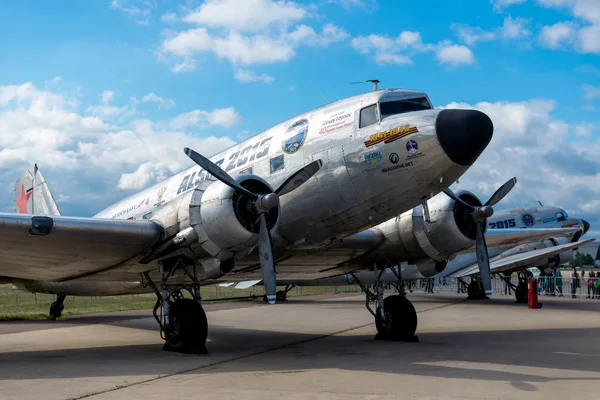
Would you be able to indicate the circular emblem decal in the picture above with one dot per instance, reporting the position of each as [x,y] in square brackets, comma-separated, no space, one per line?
[394,158]
[295,136]
[412,146]
[528,220]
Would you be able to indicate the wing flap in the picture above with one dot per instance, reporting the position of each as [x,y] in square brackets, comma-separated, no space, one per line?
[511,262]
[74,246]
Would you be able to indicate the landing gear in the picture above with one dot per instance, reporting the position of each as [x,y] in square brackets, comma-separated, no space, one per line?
[57,307]
[395,316]
[183,323]
[476,291]
[281,295]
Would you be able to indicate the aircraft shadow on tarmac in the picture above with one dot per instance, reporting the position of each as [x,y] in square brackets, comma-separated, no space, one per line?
[500,351]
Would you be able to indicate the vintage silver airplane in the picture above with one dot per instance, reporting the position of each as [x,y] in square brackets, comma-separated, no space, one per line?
[282,197]
[550,242]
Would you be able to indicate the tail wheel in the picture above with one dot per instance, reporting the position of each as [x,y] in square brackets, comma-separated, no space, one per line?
[188,327]
[56,310]
[521,292]
[400,318]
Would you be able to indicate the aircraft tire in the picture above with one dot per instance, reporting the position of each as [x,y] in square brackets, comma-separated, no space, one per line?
[521,293]
[475,291]
[56,311]
[400,321]
[281,295]
[189,328]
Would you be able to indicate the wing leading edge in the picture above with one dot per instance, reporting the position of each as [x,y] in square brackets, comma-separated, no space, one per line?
[506,263]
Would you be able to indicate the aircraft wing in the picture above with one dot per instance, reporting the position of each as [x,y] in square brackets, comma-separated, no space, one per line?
[509,237]
[57,248]
[501,264]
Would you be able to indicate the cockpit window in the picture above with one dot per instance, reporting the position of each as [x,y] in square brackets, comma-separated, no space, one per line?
[562,216]
[404,106]
[368,116]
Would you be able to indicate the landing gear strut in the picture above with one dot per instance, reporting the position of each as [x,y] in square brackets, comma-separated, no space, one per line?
[183,323]
[395,316]
[57,307]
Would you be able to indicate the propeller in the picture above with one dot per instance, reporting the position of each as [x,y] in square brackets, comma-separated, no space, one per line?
[479,214]
[260,204]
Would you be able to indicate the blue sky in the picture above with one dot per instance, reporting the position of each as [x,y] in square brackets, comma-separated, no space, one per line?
[101,80]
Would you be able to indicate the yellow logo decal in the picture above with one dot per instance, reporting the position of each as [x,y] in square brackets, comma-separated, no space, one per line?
[391,136]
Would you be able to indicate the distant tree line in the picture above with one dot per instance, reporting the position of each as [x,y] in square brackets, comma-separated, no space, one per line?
[581,260]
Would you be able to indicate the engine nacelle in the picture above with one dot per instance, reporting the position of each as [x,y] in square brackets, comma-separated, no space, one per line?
[450,229]
[225,222]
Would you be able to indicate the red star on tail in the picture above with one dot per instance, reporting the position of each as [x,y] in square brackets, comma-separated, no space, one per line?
[22,201]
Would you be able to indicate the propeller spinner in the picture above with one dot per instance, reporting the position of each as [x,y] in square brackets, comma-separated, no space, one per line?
[261,204]
[479,215]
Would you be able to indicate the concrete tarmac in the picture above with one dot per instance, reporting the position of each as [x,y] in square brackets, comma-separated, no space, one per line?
[315,348]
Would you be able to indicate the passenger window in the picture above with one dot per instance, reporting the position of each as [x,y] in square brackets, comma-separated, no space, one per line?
[247,171]
[368,116]
[277,163]
[147,216]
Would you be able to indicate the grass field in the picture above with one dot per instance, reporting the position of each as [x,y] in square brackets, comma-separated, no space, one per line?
[15,305]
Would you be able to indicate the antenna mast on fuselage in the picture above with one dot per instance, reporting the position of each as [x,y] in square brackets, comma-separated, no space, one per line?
[373,81]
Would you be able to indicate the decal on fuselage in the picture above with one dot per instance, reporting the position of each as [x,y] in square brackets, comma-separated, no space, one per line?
[509,223]
[236,160]
[391,136]
[336,122]
[295,136]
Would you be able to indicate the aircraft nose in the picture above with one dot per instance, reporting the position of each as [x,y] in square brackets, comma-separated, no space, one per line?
[586,226]
[463,134]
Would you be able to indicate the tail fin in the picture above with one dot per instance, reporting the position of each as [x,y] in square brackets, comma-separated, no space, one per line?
[32,194]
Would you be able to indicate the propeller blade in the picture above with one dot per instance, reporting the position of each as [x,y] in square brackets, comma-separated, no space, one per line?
[267,262]
[483,259]
[454,197]
[299,178]
[501,192]
[217,172]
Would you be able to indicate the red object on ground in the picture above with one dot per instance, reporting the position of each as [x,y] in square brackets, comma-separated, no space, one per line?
[532,294]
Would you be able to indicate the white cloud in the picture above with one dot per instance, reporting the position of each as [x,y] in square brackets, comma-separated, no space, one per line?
[588,12]
[107,96]
[589,107]
[83,156]
[141,14]
[392,50]
[584,129]
[516,28]
[225,117]
[245,32]
[246,15]
[472,35]
[144,175]
[169,17]
[527,137]
[160,101]
[555,36]
[499,5]
[246,76]
[455,55]
[591,92]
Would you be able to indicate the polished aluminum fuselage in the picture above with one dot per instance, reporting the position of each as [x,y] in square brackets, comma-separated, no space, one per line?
[348,194]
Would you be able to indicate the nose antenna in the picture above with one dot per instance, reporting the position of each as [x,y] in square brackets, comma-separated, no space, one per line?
[373,81]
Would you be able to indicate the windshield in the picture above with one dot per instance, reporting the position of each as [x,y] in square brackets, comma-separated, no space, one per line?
[403,106]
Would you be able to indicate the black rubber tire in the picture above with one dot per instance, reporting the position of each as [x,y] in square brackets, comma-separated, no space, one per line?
[281,295]
[56,311]
[190,327]
[521,293]
[475,291]
[400,319]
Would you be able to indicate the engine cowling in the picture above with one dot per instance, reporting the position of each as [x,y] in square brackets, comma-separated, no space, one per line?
[450,229]
[225,222]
